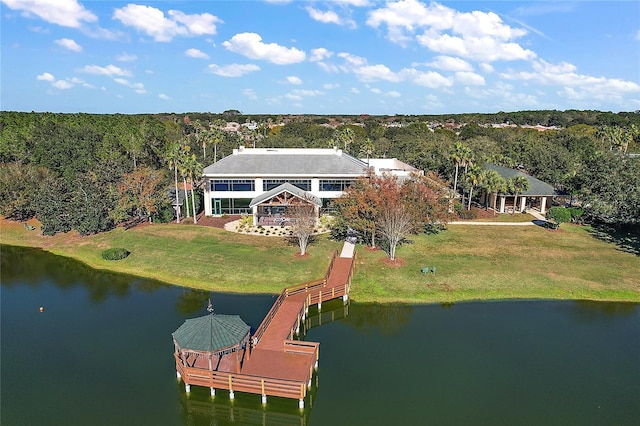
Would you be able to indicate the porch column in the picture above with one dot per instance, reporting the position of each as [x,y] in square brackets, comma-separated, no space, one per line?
[543,204]
[502,201]
[255,215]
[207,198]
[523,203]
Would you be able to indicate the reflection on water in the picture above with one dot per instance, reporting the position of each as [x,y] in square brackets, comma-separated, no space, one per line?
[102,353]
[199,408]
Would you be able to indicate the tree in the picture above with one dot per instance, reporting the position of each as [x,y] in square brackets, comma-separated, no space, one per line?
[461,156]
[493,183]
[139,194]
[367,149]
[344,135]
[395,224]
[191,168]
[173,156]
[303,219]
[558,215]
[609,187]
[517,185]
[18,189]
[357,207]
[471,180]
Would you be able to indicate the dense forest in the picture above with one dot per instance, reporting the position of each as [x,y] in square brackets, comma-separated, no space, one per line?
[92,172]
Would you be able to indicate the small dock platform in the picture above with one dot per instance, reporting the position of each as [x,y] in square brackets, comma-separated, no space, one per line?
[273,363]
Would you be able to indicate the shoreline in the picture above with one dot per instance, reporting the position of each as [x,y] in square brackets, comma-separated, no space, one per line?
[375,281]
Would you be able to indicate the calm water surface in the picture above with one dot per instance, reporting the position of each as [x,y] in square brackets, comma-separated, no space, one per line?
[101,354]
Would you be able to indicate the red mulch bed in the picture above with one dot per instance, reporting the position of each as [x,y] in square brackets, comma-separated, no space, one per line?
[393,263]
[216,222]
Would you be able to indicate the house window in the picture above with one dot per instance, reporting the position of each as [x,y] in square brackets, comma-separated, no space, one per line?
[233,185]
[334,184]
[235,206]
[269,184]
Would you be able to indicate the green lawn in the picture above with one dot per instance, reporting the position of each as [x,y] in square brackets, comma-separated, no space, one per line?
[473,262]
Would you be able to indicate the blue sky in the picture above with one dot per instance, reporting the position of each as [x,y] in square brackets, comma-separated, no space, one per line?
[319,57]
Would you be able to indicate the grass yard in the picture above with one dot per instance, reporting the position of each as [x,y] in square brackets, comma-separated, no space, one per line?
[473,262]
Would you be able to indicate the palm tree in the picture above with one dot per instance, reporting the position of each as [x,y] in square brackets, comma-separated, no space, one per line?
[471,180]
[367,148]
[461,156]
[493,183]
[191,167]
[517,185]
[344,135]
[173,155]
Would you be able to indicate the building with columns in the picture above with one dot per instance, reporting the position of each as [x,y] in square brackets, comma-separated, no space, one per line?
[538,196]
[264,181]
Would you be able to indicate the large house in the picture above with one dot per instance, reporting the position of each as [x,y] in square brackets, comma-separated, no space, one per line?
[265,181]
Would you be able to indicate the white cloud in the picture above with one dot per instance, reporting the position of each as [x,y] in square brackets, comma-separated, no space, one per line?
[251,46]
[448,63]
[292,79]
[488,68]
[429,79]
[355,90]
[109,70]
[474,35]
[375,90]
[320,54]
[573,85]
[376,73]
[330,86]
[470,78]
[58,84]
[301,92]
[138,87]
[329,17]
[328,68]
[45,77]
[62,84]
[66,13]
[393,94]
[250,93]
[478,48]
[195,53]
[69,44]
[164,97]
[233,70]
[125,57]
[153,22]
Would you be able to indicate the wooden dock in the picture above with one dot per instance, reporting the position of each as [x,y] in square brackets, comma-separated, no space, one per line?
[275,364]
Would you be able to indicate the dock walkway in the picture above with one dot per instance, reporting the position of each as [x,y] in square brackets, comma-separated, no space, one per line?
[276,364]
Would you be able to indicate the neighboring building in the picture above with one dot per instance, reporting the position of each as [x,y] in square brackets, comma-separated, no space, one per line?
[264,181]
[538,196]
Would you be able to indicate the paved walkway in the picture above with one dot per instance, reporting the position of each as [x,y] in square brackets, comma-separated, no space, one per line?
[536,214]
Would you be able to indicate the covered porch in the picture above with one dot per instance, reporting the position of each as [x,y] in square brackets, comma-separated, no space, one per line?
[280,206]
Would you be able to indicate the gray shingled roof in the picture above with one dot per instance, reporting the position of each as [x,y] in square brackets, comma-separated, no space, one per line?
[536,186]
[291,189]
[211,333]
[287,164]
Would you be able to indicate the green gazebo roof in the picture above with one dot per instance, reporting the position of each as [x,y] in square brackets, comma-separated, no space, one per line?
[536,186]
[211,333]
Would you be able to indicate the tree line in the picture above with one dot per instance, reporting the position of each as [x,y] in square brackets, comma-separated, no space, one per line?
[92,172]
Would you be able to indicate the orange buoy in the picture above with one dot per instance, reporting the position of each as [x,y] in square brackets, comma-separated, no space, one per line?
[41,308]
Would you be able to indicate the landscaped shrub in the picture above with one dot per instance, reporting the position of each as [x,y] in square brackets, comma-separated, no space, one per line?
[468,214]
[115,254]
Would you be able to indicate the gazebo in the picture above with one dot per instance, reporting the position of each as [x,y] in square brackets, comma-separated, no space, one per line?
[211,343]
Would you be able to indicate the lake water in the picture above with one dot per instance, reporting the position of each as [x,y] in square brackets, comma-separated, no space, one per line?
[101,353]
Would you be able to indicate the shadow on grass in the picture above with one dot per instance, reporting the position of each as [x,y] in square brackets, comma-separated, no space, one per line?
[544,224]
[627,238]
